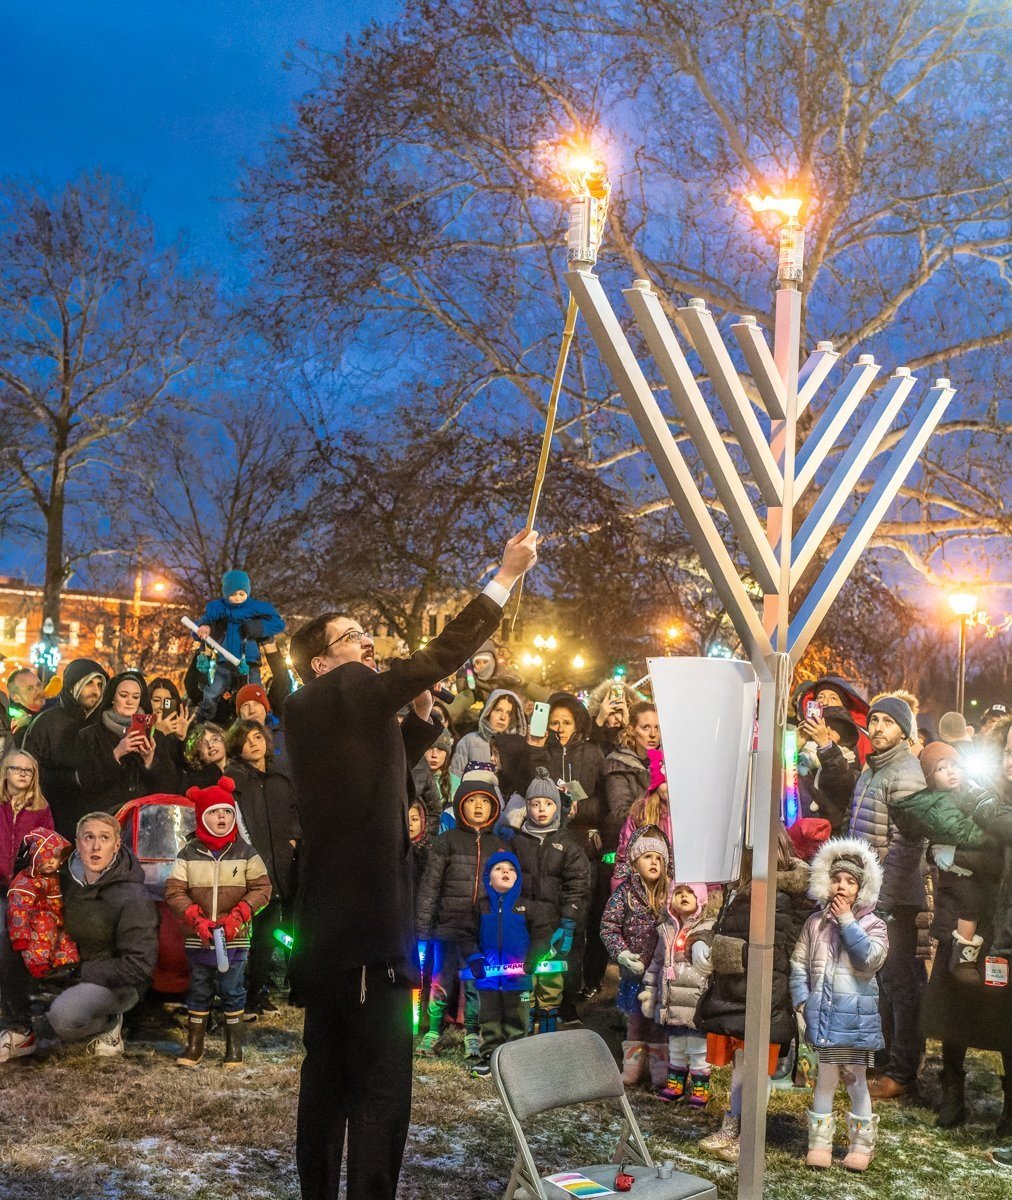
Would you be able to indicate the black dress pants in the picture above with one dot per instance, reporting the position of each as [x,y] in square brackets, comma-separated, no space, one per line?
[356,1085]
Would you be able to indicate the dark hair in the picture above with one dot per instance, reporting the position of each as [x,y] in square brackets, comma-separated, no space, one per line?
[236,737]
[166,684]
[309,641]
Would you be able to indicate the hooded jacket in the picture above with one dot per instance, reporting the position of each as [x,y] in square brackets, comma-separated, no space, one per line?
[721,1008]
[503,936]
[52,738]
[672,983]
[834,964]
[35,909]
[887,777]
[555,875]
[628,922]
[105,783]
[451,885]
[113,921]
[217,882]
[474,747]
[239,627]
[579,760]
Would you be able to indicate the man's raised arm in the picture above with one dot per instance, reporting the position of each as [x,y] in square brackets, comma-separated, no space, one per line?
[463,635]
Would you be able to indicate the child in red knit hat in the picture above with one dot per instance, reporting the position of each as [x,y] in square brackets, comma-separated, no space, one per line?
[218,882]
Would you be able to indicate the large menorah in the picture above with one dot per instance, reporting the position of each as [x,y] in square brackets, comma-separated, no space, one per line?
[781,474]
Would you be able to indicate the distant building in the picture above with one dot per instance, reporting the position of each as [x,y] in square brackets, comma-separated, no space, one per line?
[118,631]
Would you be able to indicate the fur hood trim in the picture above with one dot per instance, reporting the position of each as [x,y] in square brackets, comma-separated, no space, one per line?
[853,848]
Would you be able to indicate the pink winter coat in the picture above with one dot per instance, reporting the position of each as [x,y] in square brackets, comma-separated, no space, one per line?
[12,834]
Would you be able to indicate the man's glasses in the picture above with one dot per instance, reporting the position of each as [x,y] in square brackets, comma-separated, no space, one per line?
[351,635]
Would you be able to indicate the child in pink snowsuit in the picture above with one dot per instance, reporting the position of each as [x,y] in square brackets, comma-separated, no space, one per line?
[35,906]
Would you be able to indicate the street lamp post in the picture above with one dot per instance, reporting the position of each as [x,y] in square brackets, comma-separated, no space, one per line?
[964,605]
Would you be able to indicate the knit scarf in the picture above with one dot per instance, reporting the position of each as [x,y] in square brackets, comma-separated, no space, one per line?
[112,720]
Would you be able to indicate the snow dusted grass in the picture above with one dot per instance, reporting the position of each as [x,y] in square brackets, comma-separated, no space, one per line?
[75,1128]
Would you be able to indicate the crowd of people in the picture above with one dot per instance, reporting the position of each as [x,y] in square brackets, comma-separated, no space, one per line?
[541,831]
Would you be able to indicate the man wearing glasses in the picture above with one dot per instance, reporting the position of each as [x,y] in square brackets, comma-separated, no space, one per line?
[355,959]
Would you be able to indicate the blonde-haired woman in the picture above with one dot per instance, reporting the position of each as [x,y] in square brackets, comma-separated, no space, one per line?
[22,808]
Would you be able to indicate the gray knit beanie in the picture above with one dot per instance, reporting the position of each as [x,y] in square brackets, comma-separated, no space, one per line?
[900,712]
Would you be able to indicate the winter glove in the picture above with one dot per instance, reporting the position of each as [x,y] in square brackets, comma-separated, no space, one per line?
[562,938]
[632,962]
[944,857]
[236,919]
[701,958]
[648,1002]
[477,964]
[201,925]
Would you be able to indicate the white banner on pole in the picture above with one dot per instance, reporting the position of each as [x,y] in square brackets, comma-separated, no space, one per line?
[706,709]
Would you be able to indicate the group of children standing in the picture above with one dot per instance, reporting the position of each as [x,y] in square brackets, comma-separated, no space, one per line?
[496,901]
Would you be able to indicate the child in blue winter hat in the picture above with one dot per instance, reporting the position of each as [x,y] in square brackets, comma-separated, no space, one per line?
[239,623]
[498,962]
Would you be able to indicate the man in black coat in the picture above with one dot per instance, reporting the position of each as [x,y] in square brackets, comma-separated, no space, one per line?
[355,956]
[52,739]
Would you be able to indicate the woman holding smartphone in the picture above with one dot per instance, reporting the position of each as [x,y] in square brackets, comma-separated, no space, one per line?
[120,753]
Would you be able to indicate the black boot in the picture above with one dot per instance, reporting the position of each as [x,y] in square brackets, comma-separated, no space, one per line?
[1004,1130]
[953,1108]
[234,1030]
[195,1029]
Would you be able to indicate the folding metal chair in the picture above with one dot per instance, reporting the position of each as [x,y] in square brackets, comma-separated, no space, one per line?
[536,1075]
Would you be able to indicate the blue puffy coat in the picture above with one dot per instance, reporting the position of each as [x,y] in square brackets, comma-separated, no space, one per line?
[834,964]
[503,938]
[239,627]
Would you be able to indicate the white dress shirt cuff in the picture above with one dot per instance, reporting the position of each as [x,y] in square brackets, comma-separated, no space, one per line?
[496,591]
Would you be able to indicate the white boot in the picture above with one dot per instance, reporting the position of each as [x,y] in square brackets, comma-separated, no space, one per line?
[863,1136]
[821,1127]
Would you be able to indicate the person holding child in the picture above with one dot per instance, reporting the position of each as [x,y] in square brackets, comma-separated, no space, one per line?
[218,881]
[841,949]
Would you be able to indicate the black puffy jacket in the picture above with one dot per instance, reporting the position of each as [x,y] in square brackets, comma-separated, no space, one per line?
[451,886]
[52,738]
[271,815]
[555,879]
[721,1008]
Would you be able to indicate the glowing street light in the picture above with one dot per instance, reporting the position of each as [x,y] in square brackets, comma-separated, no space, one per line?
[964,605]
[579,662]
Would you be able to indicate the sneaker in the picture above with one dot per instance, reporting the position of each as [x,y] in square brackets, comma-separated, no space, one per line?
[14,1044]
[428,1047]
[481,1071]
[472,1045]
[108,1045]
[267,1007]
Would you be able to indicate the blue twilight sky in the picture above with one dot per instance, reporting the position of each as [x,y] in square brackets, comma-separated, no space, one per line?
[171,94]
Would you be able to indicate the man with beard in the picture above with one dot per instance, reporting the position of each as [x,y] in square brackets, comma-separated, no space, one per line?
[52,739]
[893,772]
[355,961]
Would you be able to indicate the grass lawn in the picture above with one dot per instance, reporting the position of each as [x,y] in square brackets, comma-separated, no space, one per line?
[75,1128]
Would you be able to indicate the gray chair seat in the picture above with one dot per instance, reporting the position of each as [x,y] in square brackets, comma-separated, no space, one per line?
[646,1187]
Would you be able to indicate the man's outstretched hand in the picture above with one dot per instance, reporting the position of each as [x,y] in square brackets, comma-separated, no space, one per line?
[520,555]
